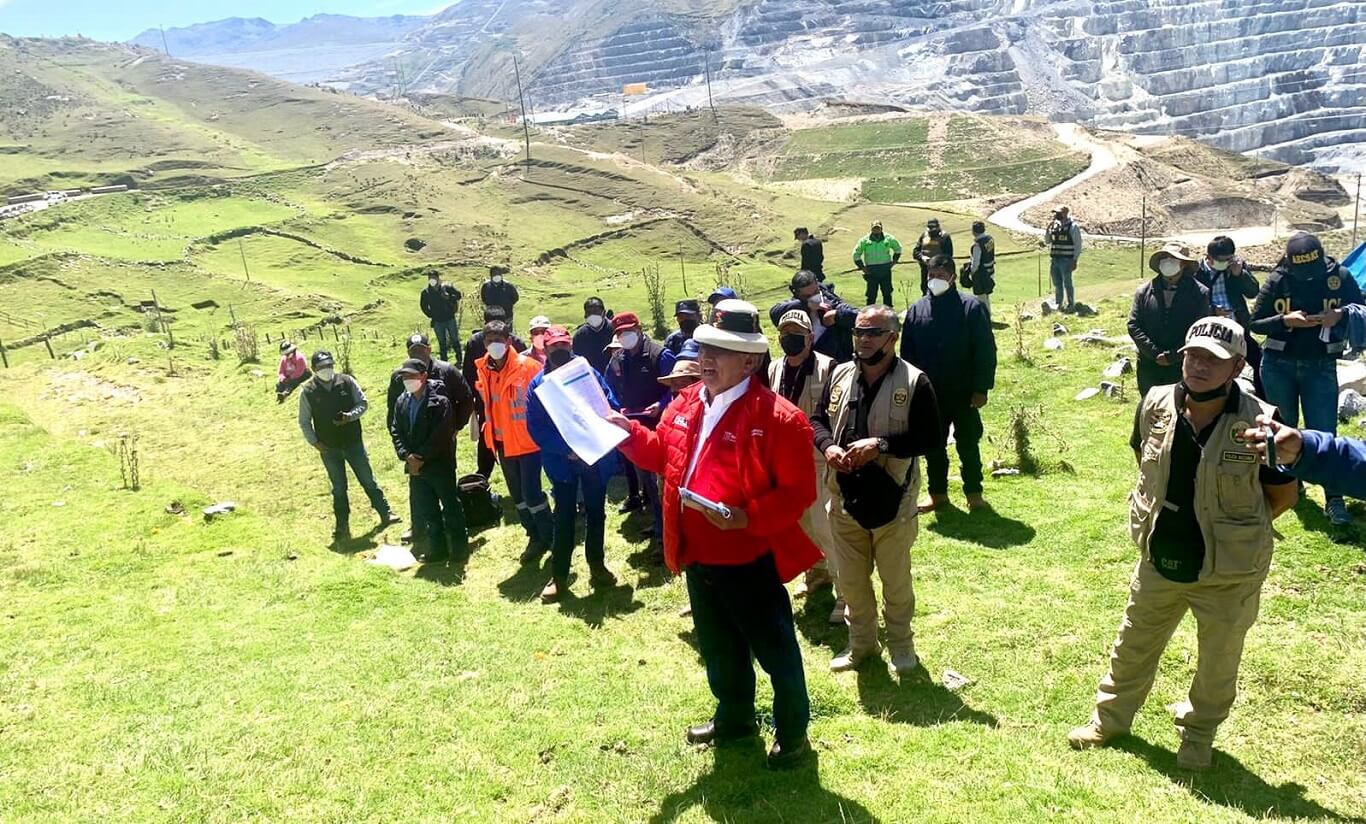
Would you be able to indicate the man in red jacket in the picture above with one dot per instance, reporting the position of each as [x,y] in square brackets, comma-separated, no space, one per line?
[735,459]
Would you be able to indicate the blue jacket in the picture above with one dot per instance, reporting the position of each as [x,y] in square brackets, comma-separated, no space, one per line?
[836,341]
[1334,463]
[950,339]
[1356,325]
[554,451]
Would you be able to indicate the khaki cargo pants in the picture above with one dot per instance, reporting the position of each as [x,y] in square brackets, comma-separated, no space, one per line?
[816,524]
[1224,611]
[888,548]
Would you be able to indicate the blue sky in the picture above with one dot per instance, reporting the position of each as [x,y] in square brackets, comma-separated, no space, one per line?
[124,19]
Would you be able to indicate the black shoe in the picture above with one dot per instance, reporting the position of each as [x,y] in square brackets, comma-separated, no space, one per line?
[341,533]
[631,505]
[785,758]
[708,734]
[434,557]
[601,577]
[533,553]
[389,519]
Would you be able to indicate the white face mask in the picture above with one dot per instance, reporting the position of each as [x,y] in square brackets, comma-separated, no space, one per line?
[938,286]
[1169,268]
[497,350]
[431,282]
[326,374]
[629,340]
[814,301]
[595,321]
[1219,265]
[413,385]
[497,278]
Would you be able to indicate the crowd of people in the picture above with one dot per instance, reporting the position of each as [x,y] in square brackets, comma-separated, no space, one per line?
[756,470]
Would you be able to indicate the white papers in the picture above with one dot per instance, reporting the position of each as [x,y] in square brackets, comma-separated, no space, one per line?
[575,402]
[690,497]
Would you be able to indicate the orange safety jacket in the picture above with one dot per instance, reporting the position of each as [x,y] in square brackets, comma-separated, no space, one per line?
[504,392]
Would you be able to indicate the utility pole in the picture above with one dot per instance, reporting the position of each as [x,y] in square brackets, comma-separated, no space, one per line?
[164,47]
[526,128]
[706,66]
[243,251]
[1143,236]
[1356,212]
[682,267]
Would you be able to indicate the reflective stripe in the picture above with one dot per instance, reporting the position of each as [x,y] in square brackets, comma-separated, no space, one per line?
[523,506]
[541,508]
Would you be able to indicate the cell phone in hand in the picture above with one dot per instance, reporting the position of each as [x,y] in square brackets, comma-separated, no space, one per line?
[1269,457]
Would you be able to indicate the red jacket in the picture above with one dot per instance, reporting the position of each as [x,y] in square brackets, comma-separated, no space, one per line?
[778,476]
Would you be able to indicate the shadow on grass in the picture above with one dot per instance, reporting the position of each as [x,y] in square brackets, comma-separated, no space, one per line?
[985,527]
[450,573]
[1228,783]
[813,621]
[1313,519]
[916,700]
[740,787]
[357,543]
[526,583]
[600,604]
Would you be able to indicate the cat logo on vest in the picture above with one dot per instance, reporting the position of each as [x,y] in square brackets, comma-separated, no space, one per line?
[900,396]
[1161,420]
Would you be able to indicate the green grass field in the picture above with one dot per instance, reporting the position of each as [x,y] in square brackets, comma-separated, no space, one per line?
[158,667]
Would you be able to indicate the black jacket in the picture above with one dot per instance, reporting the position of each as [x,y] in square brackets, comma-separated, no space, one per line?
[440,303]
[813,256]
[836,341]
[431,436]
[1283,293]
[474,350]
[1239,289]
[1161,330]
[445,379]
[949,338]
[499,294]
[591,344]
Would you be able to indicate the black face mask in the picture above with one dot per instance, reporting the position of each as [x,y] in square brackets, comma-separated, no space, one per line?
[792,344]
[1202,397]
[687,327]
[873,359]
[934,233]
[559,357]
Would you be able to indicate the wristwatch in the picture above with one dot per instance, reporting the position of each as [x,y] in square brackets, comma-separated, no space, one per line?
[882,446]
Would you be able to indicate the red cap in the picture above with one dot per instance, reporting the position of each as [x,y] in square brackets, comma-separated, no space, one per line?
[626,320]
[557,334]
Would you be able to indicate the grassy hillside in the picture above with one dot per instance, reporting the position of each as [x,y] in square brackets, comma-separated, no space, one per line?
[155,666]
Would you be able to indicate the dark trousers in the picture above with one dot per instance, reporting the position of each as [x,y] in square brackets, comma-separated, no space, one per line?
[967,435]
[632,482]
[335,461]
[523,476]
[485,459]
[434,501]
[741,614]
[447,338]
[878,275]
[566,496]
[1151,373]
[285,387]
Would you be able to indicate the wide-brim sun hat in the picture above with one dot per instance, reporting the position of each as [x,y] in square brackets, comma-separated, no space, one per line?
[682,369]
[1176,251]
[735,327]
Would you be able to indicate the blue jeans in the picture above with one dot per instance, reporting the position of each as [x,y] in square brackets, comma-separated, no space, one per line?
[566,495]
[335,460]
[1311,383]
[1060,272]
[742,614]
[523,476]
[447,338]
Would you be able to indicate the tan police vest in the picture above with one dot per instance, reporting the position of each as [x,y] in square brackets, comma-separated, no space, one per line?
[810,398]
[1234,517]
[889,415]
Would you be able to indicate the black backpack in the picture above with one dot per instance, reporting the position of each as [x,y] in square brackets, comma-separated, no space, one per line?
[481,506]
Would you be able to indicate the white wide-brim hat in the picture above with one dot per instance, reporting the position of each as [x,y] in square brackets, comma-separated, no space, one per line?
[734,326]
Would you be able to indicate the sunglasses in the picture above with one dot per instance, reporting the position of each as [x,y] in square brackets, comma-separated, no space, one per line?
[869,332]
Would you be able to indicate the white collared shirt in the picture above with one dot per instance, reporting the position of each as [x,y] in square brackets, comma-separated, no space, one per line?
[713,408]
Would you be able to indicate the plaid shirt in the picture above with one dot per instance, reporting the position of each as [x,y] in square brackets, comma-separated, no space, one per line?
[1218,293]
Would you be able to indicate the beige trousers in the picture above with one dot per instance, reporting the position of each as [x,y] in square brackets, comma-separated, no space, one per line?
[816,524]
[888,548]
[1224,611]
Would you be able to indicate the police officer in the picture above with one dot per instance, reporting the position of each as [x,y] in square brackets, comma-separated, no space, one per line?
[1299,310]
[875,256]
[877,416]
[933,243]
[1163,310]
[1063,239]
[980,270]
[330,408]
[1201,517]
[947,335]
[802,377]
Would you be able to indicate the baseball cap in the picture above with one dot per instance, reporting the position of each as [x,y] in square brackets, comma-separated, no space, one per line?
[734,326]
[412,366]
[539,322]
[1304,255]
[287,347]
[687,307]
[689,350]
[796,317]
[557,334]
[417,339]
[626,320]
[1221,337]
[721,293]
